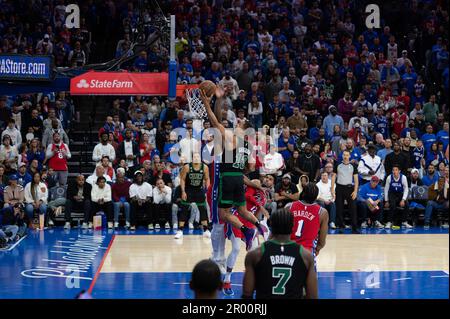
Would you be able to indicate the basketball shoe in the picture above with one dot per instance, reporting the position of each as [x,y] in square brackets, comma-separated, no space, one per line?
[179,234]
[227,290]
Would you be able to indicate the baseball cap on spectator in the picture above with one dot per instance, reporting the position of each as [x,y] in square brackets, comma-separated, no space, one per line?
[138,110]
[13,177]
[414,170]
[241,91]
[404,52]
[46,36]
[375,179]
[138,172]
[287,176]
[357,125]
[331,107]
[121,170]
[22,164]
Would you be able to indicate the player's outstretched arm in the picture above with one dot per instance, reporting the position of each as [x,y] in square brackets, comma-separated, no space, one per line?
[248,283]
[311,276]
[212,117]
[323,231]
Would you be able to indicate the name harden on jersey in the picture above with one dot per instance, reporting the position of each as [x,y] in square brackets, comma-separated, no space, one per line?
[282,259]
[305,214]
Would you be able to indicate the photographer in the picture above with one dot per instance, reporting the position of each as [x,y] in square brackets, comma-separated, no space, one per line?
[13,223]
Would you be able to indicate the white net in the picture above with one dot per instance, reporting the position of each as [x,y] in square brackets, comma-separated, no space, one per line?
[196,106]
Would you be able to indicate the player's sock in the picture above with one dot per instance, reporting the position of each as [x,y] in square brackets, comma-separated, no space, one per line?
[227,276]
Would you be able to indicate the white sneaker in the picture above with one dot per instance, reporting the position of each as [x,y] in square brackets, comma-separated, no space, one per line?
[157,226]
[85,226]
[167,226]
[191,226]
[332,225]
[110,225]
[127,224]
[406,225]
[364,225]
[378,224]
[179,234]
[445,225]
[67,225]
[150,227]
[132,228]
[91,225]
[207,234]
[116,224]
[348,226]
[50,222]
[388,225]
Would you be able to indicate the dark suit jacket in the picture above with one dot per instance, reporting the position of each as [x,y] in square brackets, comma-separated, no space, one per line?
[72,190]
[135,152]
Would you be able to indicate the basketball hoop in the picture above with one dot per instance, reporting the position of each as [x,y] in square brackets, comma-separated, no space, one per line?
[196,106]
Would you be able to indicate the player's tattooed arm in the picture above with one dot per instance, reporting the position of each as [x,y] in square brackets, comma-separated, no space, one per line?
[248,182]
[212,117]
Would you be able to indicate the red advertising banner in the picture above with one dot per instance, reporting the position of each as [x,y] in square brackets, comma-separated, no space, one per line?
[120,83]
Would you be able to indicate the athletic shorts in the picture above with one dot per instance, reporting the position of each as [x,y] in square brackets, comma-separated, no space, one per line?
[231,190]
[195,196]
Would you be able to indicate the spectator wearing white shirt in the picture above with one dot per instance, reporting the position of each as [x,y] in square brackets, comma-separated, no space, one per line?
[273,163]
[141,194]
[104,149]
[371,165]
[255,111]
[189,146]
[99,172]
[13,132]
[231,85]
[326,197]
[36,196]
[101,198]
[362,120]
[162,199]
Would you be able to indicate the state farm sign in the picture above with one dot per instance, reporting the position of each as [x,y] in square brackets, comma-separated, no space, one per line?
[120,83]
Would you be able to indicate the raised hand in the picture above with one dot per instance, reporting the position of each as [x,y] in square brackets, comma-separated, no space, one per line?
[205,98]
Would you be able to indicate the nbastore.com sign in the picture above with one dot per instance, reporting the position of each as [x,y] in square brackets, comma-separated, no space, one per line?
[120,83]
[26,67]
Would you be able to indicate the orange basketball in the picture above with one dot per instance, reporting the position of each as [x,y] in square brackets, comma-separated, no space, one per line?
[208,87]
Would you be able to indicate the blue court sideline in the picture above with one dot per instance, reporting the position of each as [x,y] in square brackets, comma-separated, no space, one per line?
[38,268]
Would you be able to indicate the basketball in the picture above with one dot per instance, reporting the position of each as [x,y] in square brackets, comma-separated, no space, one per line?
[208,87]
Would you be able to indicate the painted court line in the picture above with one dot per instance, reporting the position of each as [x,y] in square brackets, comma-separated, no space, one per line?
[17,243]
[400,279]
[91,287]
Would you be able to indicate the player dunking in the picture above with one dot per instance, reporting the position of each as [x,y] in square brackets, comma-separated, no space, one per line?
[255,204]
[310,220]
[193,178]
[231,184]
[280,268]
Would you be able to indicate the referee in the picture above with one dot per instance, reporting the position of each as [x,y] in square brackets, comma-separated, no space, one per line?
[346,189]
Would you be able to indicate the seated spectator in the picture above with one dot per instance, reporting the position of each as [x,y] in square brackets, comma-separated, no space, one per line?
[99,172]
[35,152]
[36,196]
[23,177]
[13,193]
[273,162]
[121,198]
[437,199]
[431,177]
[370,198]
[141,194]
[160,171]
[79,198]
[414,179]
[286,191]
[395,196]
[370,165]
[13,132]
[101,198]
[326,197]
[162,199]
[8,155]
[104,149]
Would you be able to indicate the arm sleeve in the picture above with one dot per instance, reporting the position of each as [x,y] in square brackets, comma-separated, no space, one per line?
[95,154]
[27,193]
[108,193]
[386,188]
[112,154]
[94,194]
[405,187]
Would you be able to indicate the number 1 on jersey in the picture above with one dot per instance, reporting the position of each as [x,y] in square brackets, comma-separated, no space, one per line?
[298,233]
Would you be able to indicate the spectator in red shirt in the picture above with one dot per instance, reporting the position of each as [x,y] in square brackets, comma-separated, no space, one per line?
[399,120]
[345,106]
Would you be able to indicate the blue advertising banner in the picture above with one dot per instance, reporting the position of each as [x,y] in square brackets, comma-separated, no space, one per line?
[26,67]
